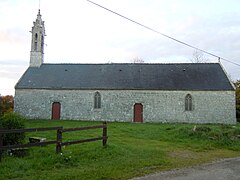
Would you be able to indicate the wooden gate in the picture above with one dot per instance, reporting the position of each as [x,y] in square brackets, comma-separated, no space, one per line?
[138,112]
[56,110]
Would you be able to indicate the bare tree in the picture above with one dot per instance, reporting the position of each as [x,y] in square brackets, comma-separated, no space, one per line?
[137,60]
[198,57]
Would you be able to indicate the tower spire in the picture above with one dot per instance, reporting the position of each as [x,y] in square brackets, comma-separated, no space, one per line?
[37,47]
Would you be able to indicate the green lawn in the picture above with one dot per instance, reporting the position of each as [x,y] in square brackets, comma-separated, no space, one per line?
[132,150]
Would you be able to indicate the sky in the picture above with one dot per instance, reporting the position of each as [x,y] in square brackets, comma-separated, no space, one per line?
[80,32]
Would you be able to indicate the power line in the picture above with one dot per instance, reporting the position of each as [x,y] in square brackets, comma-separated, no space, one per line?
[174,39]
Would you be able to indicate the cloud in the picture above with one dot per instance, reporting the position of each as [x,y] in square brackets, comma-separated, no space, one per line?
[79,32]
[14,35]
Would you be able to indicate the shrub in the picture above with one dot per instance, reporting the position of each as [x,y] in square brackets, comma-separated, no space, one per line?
[12,121]
[238,115]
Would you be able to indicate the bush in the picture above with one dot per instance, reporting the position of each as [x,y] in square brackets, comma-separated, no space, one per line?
[12,121]
[238,115]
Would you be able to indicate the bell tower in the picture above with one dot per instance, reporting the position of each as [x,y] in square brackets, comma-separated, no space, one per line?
[37,47]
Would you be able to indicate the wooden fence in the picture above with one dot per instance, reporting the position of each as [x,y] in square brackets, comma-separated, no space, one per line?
[60,130]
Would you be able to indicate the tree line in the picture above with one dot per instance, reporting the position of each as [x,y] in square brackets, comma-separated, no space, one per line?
[237,85]
[6,104]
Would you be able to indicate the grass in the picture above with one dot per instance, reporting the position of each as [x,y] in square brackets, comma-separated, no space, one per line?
[132,150]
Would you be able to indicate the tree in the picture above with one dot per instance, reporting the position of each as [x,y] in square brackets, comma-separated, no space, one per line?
[137,60]
[237,85]
[198,57]
[1,106]
[6,104]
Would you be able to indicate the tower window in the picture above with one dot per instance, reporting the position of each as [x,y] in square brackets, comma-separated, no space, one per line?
[188,103]
[97,100]
[42,44]
[35,41]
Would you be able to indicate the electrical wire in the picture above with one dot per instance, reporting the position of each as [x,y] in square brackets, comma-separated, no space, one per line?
[174,39]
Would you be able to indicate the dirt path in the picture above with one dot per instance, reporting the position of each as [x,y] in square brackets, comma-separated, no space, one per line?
[226,169]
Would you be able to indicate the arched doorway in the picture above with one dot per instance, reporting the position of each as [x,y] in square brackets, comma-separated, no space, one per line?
[138,112]
[56,110]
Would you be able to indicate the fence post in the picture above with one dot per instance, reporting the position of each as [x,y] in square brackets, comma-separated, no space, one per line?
[104,141]
[59,141]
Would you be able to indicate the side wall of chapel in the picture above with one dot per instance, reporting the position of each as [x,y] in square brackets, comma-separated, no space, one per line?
[118,105]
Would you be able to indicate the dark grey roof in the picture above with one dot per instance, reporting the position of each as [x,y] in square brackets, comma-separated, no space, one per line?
[182,76]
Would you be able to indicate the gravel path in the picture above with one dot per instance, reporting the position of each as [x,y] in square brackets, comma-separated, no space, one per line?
[226,169]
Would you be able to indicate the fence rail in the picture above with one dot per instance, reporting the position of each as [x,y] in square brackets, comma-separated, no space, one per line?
[60,130]
[27,145]
[81,141]
[8,131]
[83,128]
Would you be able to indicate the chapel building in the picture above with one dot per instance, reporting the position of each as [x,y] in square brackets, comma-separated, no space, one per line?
[178,92]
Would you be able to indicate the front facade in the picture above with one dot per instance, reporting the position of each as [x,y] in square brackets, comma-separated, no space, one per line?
[191,93]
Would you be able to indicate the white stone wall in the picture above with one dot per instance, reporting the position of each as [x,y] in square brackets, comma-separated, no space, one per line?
[117,105]
[36,59]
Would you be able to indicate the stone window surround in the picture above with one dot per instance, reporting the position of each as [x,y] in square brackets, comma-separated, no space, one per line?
[97,100]
[188,102]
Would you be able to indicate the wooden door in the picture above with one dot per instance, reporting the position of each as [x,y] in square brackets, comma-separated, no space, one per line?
[56,110]
[138,112]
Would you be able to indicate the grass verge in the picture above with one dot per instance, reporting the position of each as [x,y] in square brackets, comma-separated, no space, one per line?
[132,150]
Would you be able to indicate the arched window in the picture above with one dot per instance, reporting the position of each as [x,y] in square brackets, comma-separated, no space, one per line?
[97,100]
[42,44]
[188,103]
[35,42]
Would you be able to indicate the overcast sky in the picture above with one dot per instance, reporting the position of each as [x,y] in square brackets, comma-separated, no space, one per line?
[80,32]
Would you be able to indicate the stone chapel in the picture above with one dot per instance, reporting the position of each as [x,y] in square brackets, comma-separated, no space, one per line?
[178,92]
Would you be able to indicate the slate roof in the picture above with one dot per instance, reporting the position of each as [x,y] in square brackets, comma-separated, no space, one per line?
[182,76]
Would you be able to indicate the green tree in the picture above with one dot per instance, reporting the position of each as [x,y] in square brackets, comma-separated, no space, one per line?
[1,106]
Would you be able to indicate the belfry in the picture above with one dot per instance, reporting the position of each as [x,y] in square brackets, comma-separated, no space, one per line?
[37,46]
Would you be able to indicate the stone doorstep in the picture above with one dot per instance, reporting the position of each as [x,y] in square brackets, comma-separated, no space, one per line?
[36,139]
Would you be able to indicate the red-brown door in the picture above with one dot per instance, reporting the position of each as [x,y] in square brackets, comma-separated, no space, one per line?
[56,109]
[138,112]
